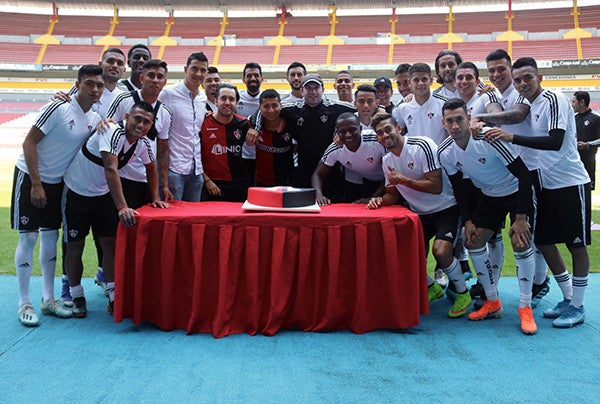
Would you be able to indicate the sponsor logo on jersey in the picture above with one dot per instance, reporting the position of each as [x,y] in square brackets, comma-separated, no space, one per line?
[212,136]
[324,118]
[24,220]
[482,160]
[586,122]
[220,149]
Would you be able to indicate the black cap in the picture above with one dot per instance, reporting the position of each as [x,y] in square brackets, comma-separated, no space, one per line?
[312,78]
[383,81]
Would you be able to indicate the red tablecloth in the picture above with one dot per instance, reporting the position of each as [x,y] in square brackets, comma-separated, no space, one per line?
[211,267]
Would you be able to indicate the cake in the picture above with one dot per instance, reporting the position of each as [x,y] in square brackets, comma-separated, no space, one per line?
[282,197]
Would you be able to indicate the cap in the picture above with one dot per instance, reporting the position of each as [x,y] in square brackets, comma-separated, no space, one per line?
[383,81]
[312,78]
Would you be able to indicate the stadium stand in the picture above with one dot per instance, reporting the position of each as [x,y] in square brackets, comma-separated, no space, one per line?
[80,26]
[19,53]
[253,27]
[23,24]
[367,26]
[194,27]
[307,27]
[241,54]
[306,53]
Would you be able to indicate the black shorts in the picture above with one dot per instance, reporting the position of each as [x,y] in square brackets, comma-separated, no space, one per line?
[443,225]
[490,212]
[84,212]
[26,217]
[563,216]
[137,194]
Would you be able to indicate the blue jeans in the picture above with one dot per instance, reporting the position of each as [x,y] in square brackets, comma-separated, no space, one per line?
[185,187]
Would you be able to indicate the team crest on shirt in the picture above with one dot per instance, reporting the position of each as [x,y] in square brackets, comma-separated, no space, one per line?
[536,117]
[482,160]
[71,124]
[586,123]
[348,164]
[300,121]
[459,165]
[24,220]
[411,165]
[237,134]
[409,120]
[73,233]
[324,118]
[370,159]
[286,137]
[89,127]
[430,115]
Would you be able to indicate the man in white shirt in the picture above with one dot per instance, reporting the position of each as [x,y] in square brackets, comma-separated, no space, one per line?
[187,105]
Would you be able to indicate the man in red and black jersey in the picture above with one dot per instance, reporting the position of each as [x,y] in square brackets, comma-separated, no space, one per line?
[274,152]
[222,136]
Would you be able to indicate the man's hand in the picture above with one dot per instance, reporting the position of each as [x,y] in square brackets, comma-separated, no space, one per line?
[61,95]
[127,216]
[520,233]
[583,146]
[168,196]
[394,177]
[38,196]
[160,204]
[486,88]
[251,137]
[475,126]
[103,125]
[470,233]
[212,188]
[493,134]
[375,203]
[323,200]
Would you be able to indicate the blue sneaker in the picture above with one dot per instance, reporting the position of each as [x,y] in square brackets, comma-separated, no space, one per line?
[65,296]
[557,310]
[570,317]
[100,280]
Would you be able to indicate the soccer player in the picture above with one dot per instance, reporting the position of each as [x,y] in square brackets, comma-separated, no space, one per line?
[489,181]
[365,101]
[247,105]
[295,73]
[467,83]
[133,175]
[360,153]
[212,81]
[402,79]
[565,184]
[55,137]
[384,93]
[412,171]
[588,132]
[226,177]
[94,195]
[344,84]
[188,109]
[274,152]
[446,63]
[136,57]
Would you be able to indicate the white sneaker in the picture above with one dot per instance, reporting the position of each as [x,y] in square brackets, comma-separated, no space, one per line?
[27,316]
[54,308]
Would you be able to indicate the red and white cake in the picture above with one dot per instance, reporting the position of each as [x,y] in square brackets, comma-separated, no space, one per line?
[282,197]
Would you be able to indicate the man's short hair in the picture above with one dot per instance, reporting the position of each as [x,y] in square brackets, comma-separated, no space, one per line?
[155,64]
[293,65]
[199,56]
[343,72]
[231,86]
[442,53]
[347,115]
[582,95]
[402,68]
[523,62]
[144,106]
[419,68]
[212,69]
[89,70]
[382,116]
[138,46]
[269,93]
[498,54]
[365,88]
[112,50]
[252,65]
[471,66]
[454,103]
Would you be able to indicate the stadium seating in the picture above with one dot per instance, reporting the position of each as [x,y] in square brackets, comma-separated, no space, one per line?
[19,53]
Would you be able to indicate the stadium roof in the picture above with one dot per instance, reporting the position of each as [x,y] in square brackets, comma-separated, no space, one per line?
[292,5]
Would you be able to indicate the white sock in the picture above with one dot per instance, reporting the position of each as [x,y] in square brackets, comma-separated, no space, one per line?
[565,285]
[455,275]
[76,291]
[484,270]
[496,253]
[579,285]
[525,270]
[110,288]
[48,239]
[541,268]
[24,263]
